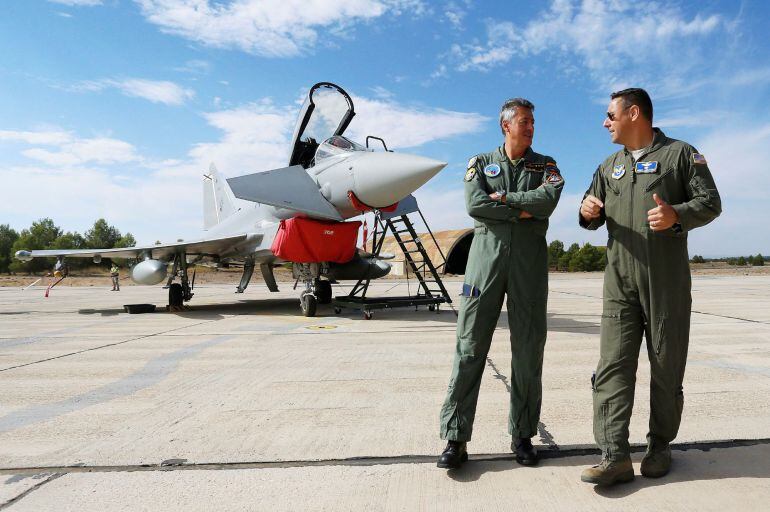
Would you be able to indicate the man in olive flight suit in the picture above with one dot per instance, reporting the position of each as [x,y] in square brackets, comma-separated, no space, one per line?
[510,193]
[651,194]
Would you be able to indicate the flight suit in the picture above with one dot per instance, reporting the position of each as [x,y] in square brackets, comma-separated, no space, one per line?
[646,285]
[508,257]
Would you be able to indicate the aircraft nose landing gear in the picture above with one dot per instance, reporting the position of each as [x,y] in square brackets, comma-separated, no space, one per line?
[317,291]
[308,303]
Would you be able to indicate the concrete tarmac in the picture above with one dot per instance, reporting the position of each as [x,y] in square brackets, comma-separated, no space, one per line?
[240,403]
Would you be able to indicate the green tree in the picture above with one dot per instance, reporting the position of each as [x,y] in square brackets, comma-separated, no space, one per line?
[41,235]
[555,251]
[566,257]
[697,259]
[741,261]
[759,260]
[7,237]
[102,235]
[587,259]
[126,240]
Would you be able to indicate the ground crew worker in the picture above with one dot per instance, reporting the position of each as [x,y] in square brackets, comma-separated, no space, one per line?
[651,194]
[510,193]
[115,275]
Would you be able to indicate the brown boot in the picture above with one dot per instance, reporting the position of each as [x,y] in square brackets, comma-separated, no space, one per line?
[609,472]
[656,462]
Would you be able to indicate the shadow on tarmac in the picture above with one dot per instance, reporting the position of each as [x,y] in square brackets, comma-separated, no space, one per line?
[688,465]
[289,307]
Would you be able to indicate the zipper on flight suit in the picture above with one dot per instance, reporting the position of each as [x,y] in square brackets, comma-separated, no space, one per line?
[658,179]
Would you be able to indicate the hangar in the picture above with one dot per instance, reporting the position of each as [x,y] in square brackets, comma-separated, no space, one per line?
[452,246]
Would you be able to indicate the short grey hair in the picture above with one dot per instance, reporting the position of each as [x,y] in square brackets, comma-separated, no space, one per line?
[508,111]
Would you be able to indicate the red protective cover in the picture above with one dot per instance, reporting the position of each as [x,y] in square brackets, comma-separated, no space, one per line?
[304,240]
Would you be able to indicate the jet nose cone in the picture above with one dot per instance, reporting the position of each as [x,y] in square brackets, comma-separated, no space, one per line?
[382,179]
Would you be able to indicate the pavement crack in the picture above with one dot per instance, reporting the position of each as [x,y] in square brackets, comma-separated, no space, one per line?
[363,461]
[32,489]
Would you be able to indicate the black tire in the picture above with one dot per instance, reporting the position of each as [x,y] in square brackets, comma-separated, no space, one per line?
[323,290]
[431,307]
[337,311]
[367,315]
[175,295]
[308,303]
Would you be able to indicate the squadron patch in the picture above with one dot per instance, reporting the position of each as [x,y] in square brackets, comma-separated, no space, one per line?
[554,176]
[646,167]
[472,162]
[492,170]
[697,158]
[618,171]
[470,174]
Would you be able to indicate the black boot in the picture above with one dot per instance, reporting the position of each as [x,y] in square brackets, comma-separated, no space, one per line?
[526,454]
[453,455]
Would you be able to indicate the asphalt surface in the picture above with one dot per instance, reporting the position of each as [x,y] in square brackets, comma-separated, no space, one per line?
[240,403]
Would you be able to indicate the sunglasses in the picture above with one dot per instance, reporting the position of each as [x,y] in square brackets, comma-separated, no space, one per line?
[611,115]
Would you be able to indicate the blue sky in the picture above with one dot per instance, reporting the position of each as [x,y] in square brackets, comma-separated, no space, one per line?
[115,108]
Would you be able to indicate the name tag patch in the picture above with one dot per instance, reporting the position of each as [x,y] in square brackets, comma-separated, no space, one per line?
[618,171]
[646,167]
[534,167]
[492,170]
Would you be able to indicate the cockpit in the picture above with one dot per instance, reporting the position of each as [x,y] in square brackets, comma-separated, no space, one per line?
[336,145]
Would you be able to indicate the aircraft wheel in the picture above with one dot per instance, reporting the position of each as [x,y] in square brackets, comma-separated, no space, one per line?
[323,290]
[308,303]
[175,295]
[367,315]
[337,311]
[431,307]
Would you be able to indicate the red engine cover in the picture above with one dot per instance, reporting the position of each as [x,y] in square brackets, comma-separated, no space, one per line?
[303,240]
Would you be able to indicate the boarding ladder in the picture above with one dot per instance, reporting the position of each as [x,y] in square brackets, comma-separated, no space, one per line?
[431,290]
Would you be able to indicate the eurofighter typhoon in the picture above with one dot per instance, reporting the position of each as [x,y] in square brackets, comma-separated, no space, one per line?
[294,214]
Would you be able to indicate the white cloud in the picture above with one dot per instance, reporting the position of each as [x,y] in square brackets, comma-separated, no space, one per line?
[271,28]
[407,127]
[608,38]
[46,138]
[98,151]
[77,3]
[156,91]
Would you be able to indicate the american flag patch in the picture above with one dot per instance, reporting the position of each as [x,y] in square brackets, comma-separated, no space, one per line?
[697,158]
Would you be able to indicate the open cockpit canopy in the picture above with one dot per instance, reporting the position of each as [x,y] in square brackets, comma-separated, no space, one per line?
[326,113]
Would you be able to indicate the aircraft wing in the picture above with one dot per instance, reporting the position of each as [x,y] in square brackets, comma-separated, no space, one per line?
[213,246]
[288,187]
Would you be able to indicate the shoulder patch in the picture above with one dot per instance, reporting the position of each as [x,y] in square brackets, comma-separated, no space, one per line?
[554,178]
[618,171]
[470,174]
[697,158]
[472,162]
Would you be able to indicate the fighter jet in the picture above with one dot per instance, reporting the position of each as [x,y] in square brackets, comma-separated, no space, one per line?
[294,214]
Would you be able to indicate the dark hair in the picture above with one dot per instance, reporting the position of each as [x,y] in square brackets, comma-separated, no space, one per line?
[508,109]
[638,97]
